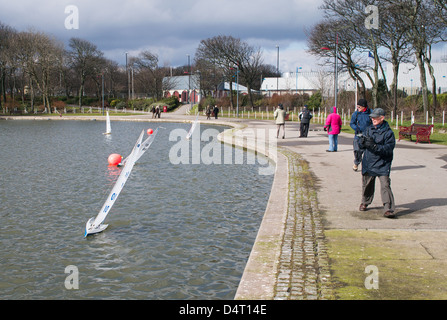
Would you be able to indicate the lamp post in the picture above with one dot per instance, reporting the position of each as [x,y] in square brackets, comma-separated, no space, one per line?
[277,69]
[128,86]
[335,69]
[189,79]
[102,92]
[296,80]
[237,89]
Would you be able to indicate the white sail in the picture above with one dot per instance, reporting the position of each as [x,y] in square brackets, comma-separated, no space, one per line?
[144,146]
[94,225]
[108,126]
[194,125]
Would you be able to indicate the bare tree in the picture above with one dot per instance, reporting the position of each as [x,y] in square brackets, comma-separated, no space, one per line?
[349,24]
[393,31]
[86,59]
[230,55]
[6,56]
[321,43]
[425,27]
[148,73]
[40,55]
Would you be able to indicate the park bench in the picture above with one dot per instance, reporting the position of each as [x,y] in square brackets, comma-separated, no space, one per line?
[421,131]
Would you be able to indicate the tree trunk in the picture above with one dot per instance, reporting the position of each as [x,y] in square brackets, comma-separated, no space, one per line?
[394,85]
[423,80]
[431,71]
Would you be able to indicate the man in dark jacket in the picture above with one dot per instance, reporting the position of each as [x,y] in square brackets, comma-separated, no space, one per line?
[305,117]
[215,111]
[378,142]
[360,120]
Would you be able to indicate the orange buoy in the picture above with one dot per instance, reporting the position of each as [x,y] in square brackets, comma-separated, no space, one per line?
[114,159]
[150,131]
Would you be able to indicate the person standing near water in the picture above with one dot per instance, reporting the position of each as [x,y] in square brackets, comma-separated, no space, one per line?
[280,117]
[378,142]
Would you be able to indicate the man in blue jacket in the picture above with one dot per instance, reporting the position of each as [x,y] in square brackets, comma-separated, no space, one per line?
[379,142]
[359,122]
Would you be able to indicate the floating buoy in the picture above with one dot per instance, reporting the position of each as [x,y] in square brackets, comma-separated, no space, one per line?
[114,159]
[150,131]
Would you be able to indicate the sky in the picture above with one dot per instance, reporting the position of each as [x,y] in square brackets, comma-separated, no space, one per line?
[173,29]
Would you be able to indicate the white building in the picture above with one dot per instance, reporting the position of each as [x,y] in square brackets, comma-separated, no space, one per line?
[293,82]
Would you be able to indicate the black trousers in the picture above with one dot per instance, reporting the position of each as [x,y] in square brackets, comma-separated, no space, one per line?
[304,129]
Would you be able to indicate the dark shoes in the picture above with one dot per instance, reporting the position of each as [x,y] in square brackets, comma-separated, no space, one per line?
[389,214]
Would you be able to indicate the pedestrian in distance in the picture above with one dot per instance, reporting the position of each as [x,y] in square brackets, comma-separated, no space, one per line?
[215,111]
[208,112]
[333,127]
[378,142]
[360,120]
[305,116]
[153,112]
[280,119]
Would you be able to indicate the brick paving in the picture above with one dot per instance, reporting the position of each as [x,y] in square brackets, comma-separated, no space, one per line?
[303,270]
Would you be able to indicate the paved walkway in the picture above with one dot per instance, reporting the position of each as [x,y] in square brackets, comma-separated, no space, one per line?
[313,242]
[330,250]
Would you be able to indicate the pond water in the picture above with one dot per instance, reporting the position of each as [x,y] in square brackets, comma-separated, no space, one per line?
[177,231]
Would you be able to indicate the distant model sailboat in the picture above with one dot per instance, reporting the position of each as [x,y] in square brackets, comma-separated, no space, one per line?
[193,127]
[95,225]
[108,126]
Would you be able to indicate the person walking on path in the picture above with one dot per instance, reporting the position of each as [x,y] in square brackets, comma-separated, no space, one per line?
[280,117]
[305,117]
[208,112]
[378,142]
[360,120]
[333,127]
[215,111]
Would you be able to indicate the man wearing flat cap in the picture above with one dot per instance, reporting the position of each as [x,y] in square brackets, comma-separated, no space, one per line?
[378,141]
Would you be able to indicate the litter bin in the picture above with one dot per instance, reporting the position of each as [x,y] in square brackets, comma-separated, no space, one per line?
[165,108]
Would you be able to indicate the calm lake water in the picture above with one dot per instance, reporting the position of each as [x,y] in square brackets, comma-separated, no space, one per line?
[175,232]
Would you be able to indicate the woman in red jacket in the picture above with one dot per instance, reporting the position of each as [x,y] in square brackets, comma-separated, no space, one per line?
[333,128]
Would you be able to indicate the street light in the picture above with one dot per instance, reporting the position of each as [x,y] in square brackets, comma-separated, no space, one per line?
[102,92]
[128,80]
[189,79]
[277,68]
[237,90]
[296,80]
[336,69]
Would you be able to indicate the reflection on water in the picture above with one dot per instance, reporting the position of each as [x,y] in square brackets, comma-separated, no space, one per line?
[176,231]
